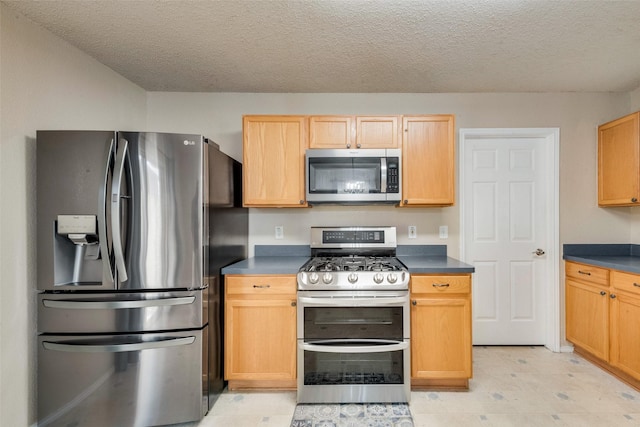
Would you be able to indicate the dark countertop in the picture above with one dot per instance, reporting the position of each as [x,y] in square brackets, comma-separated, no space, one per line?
[267,265]
[274,259]
[435,264]
[623,257]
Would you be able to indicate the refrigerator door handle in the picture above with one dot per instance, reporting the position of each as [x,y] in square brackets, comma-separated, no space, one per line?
[116,226]
[117,348]
[107,270]
[117,304]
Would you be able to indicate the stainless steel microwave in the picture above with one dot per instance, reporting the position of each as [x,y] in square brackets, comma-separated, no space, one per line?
[362,176]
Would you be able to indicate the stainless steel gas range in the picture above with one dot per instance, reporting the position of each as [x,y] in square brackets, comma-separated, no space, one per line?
[353,318]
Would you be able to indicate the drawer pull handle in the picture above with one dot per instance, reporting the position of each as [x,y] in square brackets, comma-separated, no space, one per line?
[440,285]
[584,272]
[637,285]
[603,293]
[261,286]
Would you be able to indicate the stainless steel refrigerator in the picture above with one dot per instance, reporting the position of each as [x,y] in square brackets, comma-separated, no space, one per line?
[132,229]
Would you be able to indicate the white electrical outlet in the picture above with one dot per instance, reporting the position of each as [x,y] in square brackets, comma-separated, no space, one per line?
[413,232]
[444,232]
[279,232]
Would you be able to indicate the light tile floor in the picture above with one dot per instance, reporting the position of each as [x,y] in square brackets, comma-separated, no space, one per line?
[512,386]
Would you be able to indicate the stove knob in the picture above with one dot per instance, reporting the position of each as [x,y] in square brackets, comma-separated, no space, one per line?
[353,278]
[378,278]
[313,278]
[392,278]
[327,278]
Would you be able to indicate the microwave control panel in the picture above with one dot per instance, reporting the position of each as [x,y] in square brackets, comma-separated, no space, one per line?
[393,178]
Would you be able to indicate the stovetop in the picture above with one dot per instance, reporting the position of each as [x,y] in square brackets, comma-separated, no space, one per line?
[353,263]
[353,272]
[353,258]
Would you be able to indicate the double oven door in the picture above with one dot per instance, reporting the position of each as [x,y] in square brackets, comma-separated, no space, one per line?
[353,346]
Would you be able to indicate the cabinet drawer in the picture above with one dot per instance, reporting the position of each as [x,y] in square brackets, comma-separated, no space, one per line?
[440,284]
[588,273]
[260,285]
[626,281]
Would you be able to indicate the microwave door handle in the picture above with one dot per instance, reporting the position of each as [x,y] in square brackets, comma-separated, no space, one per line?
[383,175]
[397,346]
[116,225]
[107,270]
[351,302]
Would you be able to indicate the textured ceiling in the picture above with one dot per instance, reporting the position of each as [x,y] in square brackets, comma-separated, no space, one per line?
[356,45]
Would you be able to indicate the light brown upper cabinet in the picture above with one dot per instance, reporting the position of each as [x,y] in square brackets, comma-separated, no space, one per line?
[428,160]
[619,162]
[353,131]
[273,157]
[331,131]
[377,131]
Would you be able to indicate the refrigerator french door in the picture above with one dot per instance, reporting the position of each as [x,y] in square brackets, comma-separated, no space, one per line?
[125,276]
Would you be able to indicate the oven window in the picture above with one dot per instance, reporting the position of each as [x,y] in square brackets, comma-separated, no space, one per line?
[353,368]
[353,323]
[344,175]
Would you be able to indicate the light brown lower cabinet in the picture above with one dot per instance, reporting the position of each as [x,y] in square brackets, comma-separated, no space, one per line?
[260,331]
[603,318]
[625,324]
[441,342]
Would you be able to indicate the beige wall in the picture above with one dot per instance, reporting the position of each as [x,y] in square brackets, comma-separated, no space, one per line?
[577,115]
[45,84]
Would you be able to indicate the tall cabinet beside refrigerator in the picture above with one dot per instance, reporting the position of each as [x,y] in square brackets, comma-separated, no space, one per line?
[133,229]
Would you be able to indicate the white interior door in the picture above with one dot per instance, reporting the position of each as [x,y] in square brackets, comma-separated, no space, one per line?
[509,224]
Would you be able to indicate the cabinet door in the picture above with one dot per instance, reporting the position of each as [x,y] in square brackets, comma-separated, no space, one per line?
[587,317]
[440,338]
[331,131]
[428,160]
[625,334]
[273,170]
[618,162]
[377,132]
[260,339]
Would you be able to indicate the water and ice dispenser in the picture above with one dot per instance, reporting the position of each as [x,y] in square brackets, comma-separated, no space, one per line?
[76,250]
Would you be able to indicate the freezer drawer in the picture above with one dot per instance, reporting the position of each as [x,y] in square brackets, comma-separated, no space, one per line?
[122,380]
[121,312]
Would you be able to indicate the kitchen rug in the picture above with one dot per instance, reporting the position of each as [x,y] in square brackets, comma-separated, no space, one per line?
[352,415]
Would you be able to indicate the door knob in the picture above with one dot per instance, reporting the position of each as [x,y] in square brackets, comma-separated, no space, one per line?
[538,252]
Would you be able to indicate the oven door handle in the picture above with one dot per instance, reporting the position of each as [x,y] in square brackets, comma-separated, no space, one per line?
[382,347]
[353,302]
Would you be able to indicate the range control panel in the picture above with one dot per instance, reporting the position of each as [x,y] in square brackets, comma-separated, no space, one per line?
[353,237]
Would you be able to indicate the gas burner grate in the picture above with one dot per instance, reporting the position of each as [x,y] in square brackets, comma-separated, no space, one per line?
[353,263]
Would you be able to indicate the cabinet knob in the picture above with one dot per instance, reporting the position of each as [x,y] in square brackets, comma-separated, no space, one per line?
[302,202]
[634,200]
[293,304]
[358,145]
[637,285]
[348,145]
[414,302]
[406,201]
[612,296]
[603,293]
